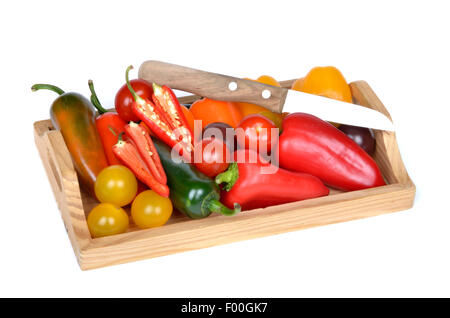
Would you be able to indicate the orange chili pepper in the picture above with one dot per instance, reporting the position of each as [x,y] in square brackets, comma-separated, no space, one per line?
[74,115]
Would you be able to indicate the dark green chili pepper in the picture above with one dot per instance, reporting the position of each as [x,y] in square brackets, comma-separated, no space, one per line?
[192,193]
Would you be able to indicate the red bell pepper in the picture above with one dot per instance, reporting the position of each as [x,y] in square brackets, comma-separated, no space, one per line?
[142,158]
[247,185]
[164,117]
[311,145]
[109,126]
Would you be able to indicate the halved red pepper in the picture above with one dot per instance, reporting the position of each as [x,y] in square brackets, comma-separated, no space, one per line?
[142,158]
[164,117]
[109,126]
[147,150]
[311,145]
[249,185]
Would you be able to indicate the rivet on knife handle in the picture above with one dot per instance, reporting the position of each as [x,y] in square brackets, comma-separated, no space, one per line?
[214,86]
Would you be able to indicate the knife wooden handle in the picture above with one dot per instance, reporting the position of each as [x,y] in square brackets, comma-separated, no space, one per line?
[214,86]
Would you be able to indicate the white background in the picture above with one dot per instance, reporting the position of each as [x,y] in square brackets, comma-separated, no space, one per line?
[400,47]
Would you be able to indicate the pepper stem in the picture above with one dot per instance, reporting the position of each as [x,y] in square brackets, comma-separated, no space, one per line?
[94,99]
[53,88]
[216,206]
[132,91]
[157,89]
[229,177]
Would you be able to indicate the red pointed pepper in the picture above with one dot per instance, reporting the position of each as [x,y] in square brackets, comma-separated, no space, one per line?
[164,117]
[147,150]
[252,189]
[143,166]
[311,145]
[109,126]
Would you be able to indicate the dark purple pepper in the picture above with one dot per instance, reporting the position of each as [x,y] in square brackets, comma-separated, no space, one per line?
[222,127]
[362,136]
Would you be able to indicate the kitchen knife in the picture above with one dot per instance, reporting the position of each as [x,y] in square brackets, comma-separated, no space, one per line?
[277,99]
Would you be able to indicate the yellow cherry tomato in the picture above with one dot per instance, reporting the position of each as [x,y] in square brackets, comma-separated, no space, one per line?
[107,219]
[149,209]
[117,185]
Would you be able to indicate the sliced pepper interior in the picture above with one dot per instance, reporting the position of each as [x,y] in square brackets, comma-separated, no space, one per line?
[164,117]
[165,99]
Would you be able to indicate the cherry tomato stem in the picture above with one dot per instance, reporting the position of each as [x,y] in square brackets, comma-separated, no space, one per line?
[133,92]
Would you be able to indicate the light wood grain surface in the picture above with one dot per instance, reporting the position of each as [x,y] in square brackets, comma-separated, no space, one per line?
[182,234]
[215,86]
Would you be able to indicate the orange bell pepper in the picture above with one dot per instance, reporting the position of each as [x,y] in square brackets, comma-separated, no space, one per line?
[325,81]
[189,117]
[210,111]
[298,84]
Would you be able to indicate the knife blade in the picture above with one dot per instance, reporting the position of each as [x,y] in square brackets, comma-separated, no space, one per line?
[277,99]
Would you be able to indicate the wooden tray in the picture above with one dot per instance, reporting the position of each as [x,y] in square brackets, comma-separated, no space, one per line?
[183,234]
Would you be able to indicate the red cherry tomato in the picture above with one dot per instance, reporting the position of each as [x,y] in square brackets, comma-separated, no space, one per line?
[257,132]
[124,99]
[214,154]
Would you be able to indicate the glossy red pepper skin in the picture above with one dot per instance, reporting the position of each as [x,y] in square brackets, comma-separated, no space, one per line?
[252,189]
[311,145]
[109,126]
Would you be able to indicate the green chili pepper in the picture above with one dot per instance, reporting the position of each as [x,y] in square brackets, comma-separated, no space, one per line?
[192,193]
